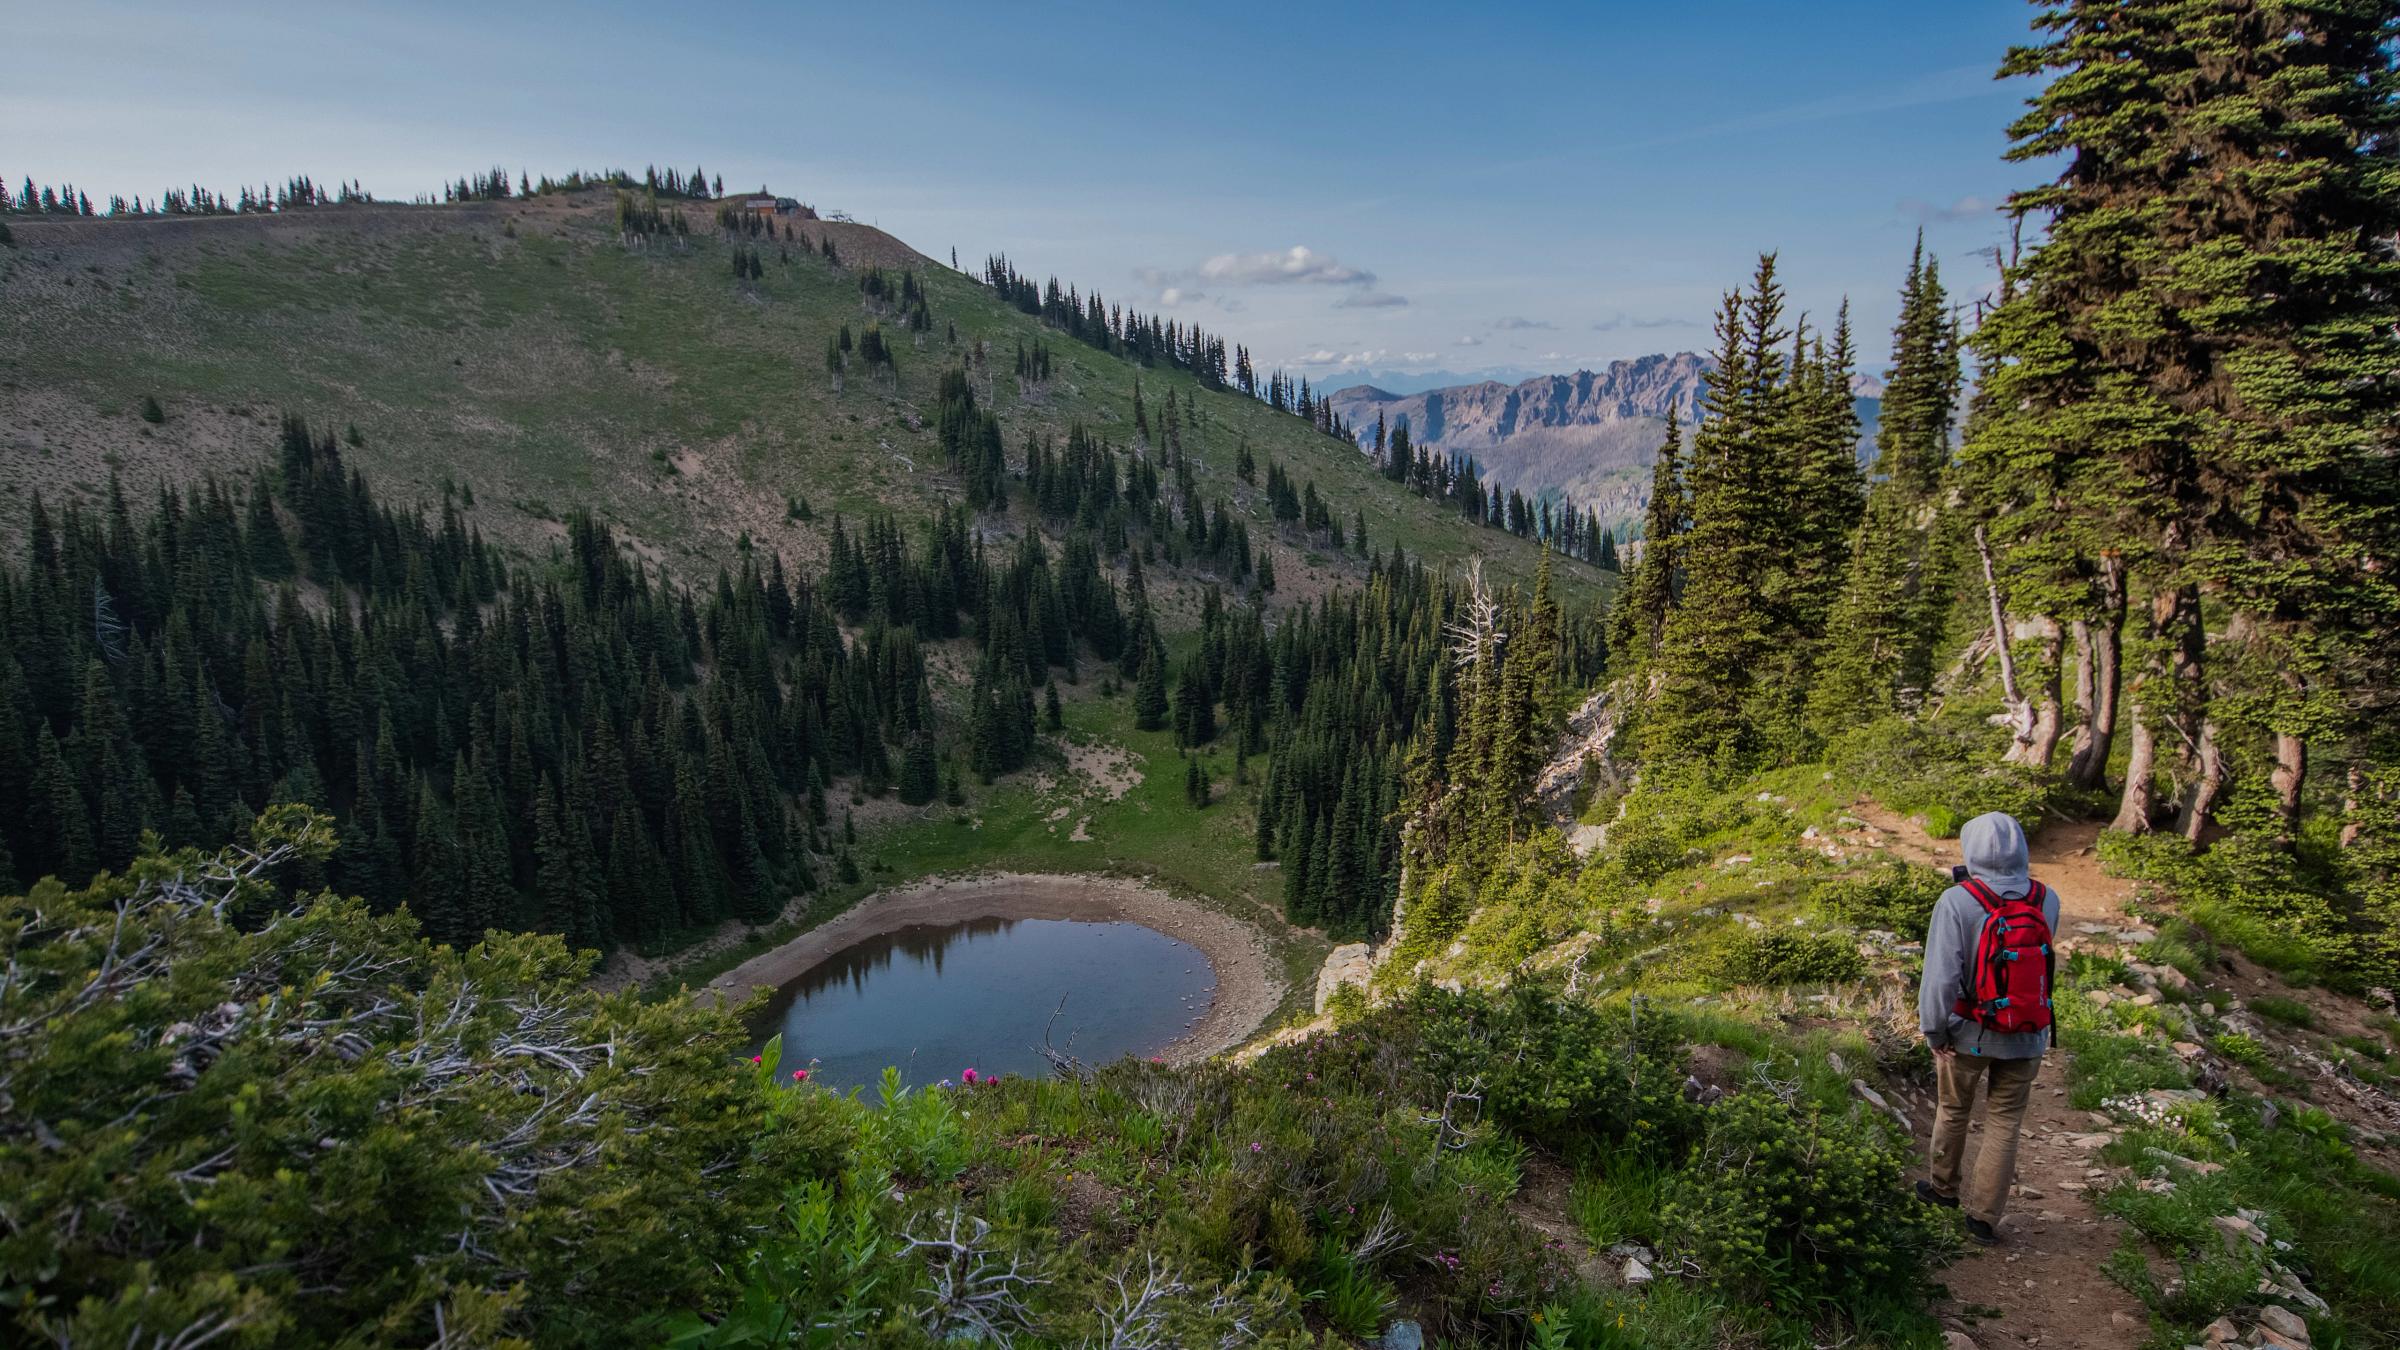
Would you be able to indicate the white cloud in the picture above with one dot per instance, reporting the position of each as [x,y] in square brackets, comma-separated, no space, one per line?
[1610,325]
[1513,323]
[1418,356]
[1327,357]
[1969,207]
[1470,340]
[1297,264]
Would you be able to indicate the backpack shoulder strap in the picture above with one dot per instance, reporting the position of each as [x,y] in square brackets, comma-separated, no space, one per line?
[1983,894]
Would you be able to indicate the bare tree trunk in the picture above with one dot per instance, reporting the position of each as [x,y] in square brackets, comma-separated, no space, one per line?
[2041,741]
[2087,693]
[2354,791]
[2141,762]
[2291,774]
[2168,616]
[2096,737]
[2020,713]
[2209,786]
[2196,724]
[2291,770]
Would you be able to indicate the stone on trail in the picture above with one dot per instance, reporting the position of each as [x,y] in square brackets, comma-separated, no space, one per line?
[1958,1340]
[1637,1271]
[2221,1332]
[1402,1335]
[2233,1230]
[2284,1322]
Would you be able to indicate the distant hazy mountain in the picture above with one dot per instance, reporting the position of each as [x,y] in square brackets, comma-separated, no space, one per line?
[1589,436]
[1417,381]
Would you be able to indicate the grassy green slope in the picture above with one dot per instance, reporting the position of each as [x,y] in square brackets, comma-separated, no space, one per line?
[518,349]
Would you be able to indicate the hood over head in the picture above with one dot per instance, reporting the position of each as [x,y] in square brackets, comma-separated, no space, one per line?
[1993,847]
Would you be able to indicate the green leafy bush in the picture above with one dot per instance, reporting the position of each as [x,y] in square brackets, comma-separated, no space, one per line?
[2108,1065]
[2305,911]
[1950,771]
[1790,956]
[320,1127]
[2247,1051]
[1801,1205]
[1897,897]
[1565,1075]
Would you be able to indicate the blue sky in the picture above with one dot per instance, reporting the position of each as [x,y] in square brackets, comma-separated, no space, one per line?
[1510,186]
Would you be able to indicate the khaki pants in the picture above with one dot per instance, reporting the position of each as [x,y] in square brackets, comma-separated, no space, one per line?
[1984,1194]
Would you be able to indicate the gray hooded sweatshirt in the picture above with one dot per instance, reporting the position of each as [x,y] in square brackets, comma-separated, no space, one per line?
[1993,847]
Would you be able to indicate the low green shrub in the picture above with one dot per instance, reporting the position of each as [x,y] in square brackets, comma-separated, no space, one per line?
[1346,1004]
[2303,910]
[1949,770]
[1348,1294]
[319,1127]
[1896,897]
[2368,1046]
[1567,1076]
[1617,1200]
[2291,1012]
[2247,1051]
[2107,1065]
[1801,1205]
[2182,945]
[1790,956]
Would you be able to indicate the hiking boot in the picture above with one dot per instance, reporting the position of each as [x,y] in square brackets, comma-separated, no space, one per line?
[1983,1233]
[1929,1195]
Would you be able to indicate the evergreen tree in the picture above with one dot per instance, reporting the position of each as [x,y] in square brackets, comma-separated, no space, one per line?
[2220,454]
[1640,615]
[1895,601]
[1721,632]
[1150,688]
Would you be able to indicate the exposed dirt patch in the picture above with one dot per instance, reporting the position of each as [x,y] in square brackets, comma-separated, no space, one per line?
[1248,984]
[1544,1202]
[1110,770]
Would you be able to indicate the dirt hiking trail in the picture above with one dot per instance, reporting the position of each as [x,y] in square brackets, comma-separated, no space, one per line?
[2045,1280]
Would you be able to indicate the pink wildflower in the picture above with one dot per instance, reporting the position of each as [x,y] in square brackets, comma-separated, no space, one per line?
[799,1075]
[1256,1147]
[758,1059]
[969,1078]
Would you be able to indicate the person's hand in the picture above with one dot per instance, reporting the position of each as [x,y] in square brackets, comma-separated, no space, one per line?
[1944,1051]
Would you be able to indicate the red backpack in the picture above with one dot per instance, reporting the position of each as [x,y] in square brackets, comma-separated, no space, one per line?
[2008,979]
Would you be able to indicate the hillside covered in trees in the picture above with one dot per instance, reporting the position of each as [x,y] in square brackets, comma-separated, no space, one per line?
[410,606]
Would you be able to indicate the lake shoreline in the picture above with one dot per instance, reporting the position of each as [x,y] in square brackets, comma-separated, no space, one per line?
[1247,986]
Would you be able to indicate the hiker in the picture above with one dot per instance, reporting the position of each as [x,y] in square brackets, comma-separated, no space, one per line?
[1984,1007]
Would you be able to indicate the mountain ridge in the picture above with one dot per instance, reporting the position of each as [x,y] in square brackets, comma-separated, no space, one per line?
[1588,436]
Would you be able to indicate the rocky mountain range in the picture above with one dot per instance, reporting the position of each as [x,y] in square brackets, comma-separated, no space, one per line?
[1589,436]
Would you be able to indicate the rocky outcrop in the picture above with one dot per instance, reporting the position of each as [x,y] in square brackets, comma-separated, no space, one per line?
[1584,750]
[1350,963]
